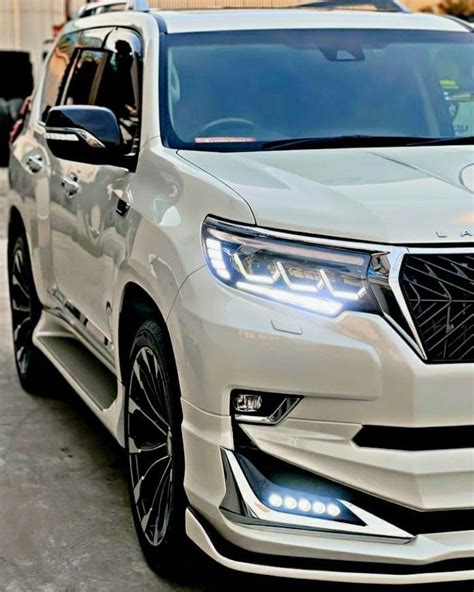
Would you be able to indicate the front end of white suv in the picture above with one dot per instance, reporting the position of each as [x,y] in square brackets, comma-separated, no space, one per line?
[326,389]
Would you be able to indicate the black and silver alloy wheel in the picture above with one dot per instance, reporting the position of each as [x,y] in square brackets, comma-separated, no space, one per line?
[21,306]
[34,371]
[154,448]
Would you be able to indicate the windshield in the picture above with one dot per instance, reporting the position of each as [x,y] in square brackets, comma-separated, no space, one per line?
[240,90]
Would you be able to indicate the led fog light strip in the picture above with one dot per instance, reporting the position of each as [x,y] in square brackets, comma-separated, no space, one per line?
[296,510]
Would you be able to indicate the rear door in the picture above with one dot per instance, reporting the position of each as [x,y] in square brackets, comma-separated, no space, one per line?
[109,77]
[36,173]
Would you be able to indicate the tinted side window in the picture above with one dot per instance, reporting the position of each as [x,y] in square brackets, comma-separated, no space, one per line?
[56,73]
[93,38]
[120,85]
[111,78]
[82,84]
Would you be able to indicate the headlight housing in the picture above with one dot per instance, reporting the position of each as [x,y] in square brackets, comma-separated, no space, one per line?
[316,278]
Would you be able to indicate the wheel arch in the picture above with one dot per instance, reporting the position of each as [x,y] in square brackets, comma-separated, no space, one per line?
[137,306]
[15,224]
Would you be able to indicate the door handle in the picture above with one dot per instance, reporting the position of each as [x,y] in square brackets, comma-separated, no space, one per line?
[35,163]
[70,185]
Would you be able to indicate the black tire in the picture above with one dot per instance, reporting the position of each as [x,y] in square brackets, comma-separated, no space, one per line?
[154,445]
[34,371]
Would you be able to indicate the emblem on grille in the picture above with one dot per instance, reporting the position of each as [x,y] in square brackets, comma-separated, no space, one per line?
[463,234]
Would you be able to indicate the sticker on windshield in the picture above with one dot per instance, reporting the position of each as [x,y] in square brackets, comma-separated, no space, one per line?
[222,139]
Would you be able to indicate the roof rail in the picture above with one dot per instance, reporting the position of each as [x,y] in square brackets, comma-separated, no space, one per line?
[92,8]
[138,5]
[372,5]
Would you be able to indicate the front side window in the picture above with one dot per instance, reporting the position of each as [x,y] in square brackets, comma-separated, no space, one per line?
[120,86]
[111,78]
[56,73]
[246,89]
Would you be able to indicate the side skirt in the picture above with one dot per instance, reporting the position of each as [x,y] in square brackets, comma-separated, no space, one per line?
[83,369]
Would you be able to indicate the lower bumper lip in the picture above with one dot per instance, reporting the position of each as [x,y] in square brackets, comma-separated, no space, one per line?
[369,573]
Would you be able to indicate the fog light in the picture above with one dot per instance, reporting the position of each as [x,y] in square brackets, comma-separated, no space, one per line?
[319,508]
[284,490]
[333,510]
[273,493]
[275,500]
[247,403]
[263,408]
[304,505]
[290,503]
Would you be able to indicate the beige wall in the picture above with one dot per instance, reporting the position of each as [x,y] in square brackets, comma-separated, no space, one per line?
[412,4]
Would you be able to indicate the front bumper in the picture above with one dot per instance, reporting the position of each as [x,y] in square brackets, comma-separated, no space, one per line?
[353,371]
[346,571]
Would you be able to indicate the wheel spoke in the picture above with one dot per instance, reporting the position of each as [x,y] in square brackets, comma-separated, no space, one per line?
[19,308]
[25,325]
[134,449]
[162,517]
[156,501]
[19,270]
[137,491]
[22,358]
[146,386]
[17,285]
[134,408]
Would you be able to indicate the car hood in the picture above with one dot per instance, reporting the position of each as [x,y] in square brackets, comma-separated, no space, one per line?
[392,195]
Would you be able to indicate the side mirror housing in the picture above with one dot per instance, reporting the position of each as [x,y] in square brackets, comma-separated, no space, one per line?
[85,133]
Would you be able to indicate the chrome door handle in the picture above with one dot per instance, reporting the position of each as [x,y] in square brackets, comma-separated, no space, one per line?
[35,163]
[70,185]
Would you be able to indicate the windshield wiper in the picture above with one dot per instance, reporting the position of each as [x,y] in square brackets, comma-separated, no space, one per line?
[452,141]
[358,141]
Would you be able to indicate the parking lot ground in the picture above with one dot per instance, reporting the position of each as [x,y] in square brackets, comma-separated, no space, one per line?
[64,518]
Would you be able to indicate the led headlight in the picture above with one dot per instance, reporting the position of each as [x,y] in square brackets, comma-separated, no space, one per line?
[319,279]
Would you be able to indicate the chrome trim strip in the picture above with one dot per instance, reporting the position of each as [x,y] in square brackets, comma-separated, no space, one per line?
[396,258]
[84,330]
[72,134]
[375,528]
[282,411]
[257,231]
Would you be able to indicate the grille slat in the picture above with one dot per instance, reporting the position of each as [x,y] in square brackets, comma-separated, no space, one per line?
[439,292]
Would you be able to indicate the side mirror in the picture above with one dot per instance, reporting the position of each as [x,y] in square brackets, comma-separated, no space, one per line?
[85,134]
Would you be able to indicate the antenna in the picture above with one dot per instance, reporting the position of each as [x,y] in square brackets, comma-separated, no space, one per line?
[138,5]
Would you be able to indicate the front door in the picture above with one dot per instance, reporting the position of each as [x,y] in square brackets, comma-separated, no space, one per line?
[113,76]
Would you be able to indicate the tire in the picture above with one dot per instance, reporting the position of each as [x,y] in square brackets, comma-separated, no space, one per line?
[34,371]
[154,446]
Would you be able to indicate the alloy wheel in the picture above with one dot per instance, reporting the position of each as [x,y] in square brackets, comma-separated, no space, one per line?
[21,306]
[150,446]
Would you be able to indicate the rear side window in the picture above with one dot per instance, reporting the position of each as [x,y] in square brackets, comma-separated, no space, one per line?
[111,77]
[56,73]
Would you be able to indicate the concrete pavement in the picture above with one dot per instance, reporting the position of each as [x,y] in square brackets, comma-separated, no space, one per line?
[64,517]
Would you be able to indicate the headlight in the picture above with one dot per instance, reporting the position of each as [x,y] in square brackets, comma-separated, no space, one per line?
[319,279]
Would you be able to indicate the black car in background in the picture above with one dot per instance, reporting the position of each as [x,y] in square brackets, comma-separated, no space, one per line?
[13,92]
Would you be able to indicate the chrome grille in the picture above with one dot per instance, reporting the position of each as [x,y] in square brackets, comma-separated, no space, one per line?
[439,292]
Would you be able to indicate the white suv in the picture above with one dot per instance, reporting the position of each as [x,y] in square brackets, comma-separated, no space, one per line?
[245,238]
